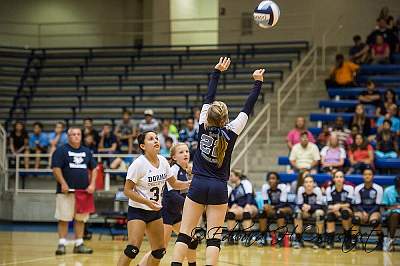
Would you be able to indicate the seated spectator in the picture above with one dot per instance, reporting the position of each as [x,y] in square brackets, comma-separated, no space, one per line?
[163,135]
[390,115]
[88,129]
[340,130]
[304,155]
[355,129]
[361,120]
[172,129]
[389,98]
[90,143]
[391,202]
[323,137]
[367,203]
[108,143]
[241,204]
[380,51]
[342,75]
[293,136]
[38,142]
[126,132]
[275,206]
[332,155]
[166,151]
[57,138]
[189,135]
[339,197]
[149,123]
[359,53]
[371,98]
[387,34]
[309,205]
[19,142]
[361,155]
[386,142]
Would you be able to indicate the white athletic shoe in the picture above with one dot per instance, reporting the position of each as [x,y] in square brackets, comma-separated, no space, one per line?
[388,244]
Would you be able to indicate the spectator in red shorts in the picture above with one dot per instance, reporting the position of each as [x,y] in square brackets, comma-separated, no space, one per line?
[380,51]
[361,155]
[293,136]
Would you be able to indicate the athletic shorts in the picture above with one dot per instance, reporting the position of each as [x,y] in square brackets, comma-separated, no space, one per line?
[143,215]
[65,209]
[170,218]
[208,191]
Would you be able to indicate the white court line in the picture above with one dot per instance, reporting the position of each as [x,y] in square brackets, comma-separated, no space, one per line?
[35,260]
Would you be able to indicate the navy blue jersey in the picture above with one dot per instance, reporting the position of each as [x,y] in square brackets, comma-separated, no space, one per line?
[242,194]
[314,199]
[346,195]
[173,200]
[368,199]
[276,197]
[74,164]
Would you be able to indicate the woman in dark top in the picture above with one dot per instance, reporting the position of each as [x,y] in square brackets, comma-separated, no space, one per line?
[19,141]
[360,119]
[389,98]
[386,142]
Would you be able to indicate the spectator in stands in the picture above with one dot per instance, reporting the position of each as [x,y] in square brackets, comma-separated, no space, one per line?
[172,129]
[384,13]
[166,151]
[189,135]
[309,205]
[332,155]
[391,201]
[57,138]
[38,142]
[361,155]
[367,203]
[390,115]
[342,75]
[323,137]
[126,132]
[88,129]
[389,98]
[149,123]
[196,116]
[386,142]
[359,53]
[341,131]
[304,155]
[19,141]
[108,143]
[90,143]
[163,135]
[361,120]
[387,34]
[293,136]
[380,51]
[355,129]
[371,98]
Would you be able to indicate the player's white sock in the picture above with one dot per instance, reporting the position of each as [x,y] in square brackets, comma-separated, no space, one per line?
[62,241]
[78,242]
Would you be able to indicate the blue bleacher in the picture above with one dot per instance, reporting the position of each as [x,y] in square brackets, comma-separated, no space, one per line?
[332,117]
[379,69]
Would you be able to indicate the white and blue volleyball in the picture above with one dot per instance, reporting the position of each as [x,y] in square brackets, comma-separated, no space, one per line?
[266,14]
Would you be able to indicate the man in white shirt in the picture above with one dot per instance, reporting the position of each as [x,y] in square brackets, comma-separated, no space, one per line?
[305,155]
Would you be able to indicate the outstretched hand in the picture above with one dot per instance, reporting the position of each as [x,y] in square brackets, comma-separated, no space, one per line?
[258,74]
[223,64]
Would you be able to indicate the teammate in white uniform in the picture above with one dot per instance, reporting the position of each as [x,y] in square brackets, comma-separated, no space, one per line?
[145,180]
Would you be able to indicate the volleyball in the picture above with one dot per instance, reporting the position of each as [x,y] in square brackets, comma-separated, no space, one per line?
[266,14]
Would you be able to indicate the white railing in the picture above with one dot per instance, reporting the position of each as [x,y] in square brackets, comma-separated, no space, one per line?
[248,141]
[294,79]
[3,156]
[47,170]
[332,30]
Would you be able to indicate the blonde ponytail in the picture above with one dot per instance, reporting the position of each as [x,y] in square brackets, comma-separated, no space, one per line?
[220,149]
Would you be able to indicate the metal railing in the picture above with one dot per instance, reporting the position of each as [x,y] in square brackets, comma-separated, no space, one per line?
[19,170]
[3,158]
[293,82]
[249,140]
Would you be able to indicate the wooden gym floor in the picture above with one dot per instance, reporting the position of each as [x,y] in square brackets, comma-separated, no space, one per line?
[37,248]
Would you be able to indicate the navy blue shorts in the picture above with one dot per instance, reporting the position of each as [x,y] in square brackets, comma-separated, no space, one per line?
[208,191]
[143,215]
[171,218]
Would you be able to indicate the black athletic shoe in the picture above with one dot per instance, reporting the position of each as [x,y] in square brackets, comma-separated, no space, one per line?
[82,249]
[60,250]
[319,242]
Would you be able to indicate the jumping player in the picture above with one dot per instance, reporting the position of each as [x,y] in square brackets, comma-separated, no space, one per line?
[275,205]
[145,180]
[339,197]
[309,204]
[211,166]
[368,199]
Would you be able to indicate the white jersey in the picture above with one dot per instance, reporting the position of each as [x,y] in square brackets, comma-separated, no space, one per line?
[148,179]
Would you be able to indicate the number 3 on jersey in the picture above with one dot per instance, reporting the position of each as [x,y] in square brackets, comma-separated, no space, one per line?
[207,145]
[156,195]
